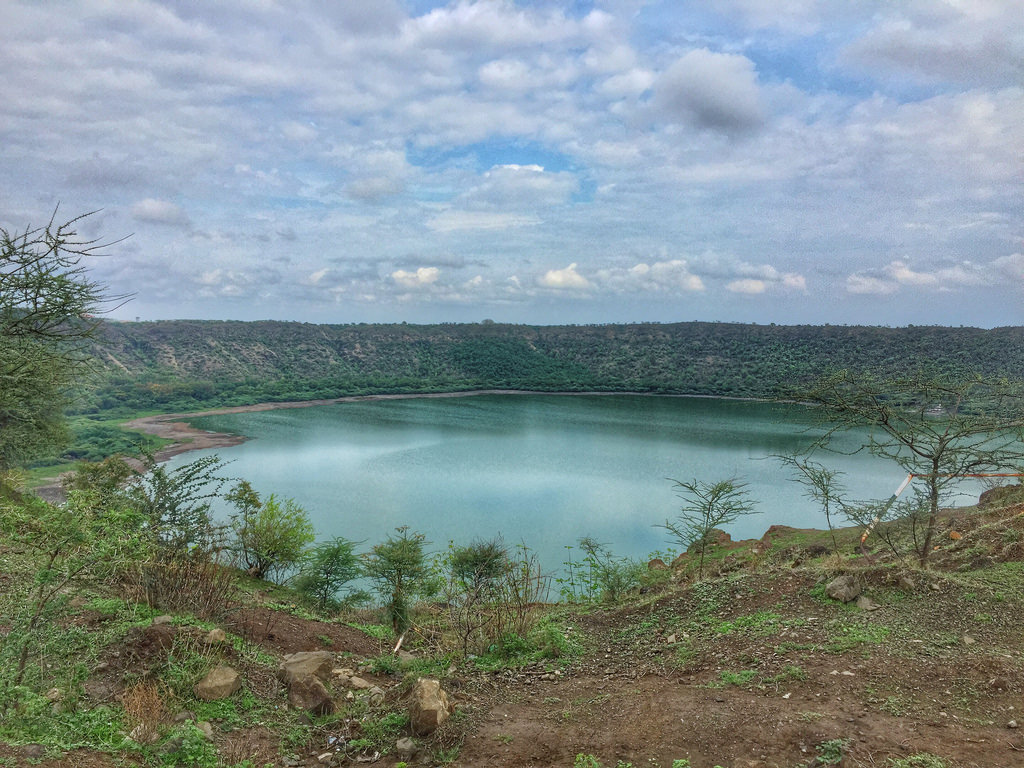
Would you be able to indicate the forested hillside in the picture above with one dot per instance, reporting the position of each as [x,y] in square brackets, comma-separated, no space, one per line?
[177,365]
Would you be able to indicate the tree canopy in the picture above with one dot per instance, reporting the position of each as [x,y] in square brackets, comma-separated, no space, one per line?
[47,308]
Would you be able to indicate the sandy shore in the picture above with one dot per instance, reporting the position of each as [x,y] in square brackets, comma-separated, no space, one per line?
[172,426]
[185,437]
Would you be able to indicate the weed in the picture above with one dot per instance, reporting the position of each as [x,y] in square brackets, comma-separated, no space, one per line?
[831,752]
[740,678]
[762,622]
[920,760]
[144,712]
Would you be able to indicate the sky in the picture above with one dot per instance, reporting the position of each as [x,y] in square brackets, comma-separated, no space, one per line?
[528,161]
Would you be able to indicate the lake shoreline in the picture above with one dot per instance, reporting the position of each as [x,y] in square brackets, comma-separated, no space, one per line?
[185,437]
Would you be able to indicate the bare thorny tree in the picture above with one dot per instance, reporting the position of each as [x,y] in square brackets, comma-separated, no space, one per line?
[938,427]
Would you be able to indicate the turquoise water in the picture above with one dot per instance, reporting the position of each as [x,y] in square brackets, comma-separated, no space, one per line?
[539,469]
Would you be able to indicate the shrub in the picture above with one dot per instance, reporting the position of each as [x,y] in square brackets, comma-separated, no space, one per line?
[328,567]
[272,535]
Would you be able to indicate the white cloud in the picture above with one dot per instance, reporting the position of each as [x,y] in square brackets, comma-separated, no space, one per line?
[567,278]
[672,276]
[422,277]
[454,221]
[748,286]
[159,212]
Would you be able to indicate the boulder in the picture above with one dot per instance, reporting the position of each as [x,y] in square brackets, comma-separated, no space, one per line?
[657,564]
[844,588]
[359,683]
[865,603]
[429,707]
[215,636]
[309,694]
[220,683]
[405,749]
[295,666]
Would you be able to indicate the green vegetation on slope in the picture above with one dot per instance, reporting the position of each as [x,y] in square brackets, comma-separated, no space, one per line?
[187,365]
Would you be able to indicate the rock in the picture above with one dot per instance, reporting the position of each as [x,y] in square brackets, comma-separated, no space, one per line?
[184,716]
[955,535]
[865,603]
[999,684]
[404,655]
[144,733]
[844,588]
[220,683]
[165,619]
[54,695]
[309,694]
[376,695]
[215,636]
[325,757]
[405,749]
[429,707]
[1012,724]
[33,751]
[968,640]
[657,564]
[681,561]
[206,728]
[319,664]
[906,583]
[360,684]
[671,639]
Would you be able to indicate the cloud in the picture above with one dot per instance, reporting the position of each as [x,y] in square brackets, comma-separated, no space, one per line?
[159,212]
[717,91]
[971,43]
[672,276]
[422,277]
[748,286]
[522,187]
[897,275]
[564,279]
[453,221]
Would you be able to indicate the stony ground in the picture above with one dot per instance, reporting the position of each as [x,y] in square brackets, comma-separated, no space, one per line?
[754,668]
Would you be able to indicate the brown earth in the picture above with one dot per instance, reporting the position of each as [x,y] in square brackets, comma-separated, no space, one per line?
[755,668]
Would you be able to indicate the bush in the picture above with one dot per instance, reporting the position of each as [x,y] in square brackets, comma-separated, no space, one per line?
[272,535]
[329,567]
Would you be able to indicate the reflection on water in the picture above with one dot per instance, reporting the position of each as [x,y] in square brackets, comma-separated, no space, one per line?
[543,469]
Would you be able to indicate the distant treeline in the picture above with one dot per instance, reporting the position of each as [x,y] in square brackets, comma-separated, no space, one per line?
[187,365]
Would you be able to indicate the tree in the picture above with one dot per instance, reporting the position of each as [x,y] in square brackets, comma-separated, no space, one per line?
[47,304]
[328,567]
[85,541]
[272,535]
[706,506]
[821,484]
[399,567]
[937,427]
[175,503]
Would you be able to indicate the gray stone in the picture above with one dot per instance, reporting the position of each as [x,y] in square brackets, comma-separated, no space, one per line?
[429,707]
[844,588]
[360,684]
[319,664]
[405,749]
[215,636]
[309,694]
[206,728]
[165,619]
[865,603]
[220,683]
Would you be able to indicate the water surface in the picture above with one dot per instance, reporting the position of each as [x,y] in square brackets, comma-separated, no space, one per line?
[539,469]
